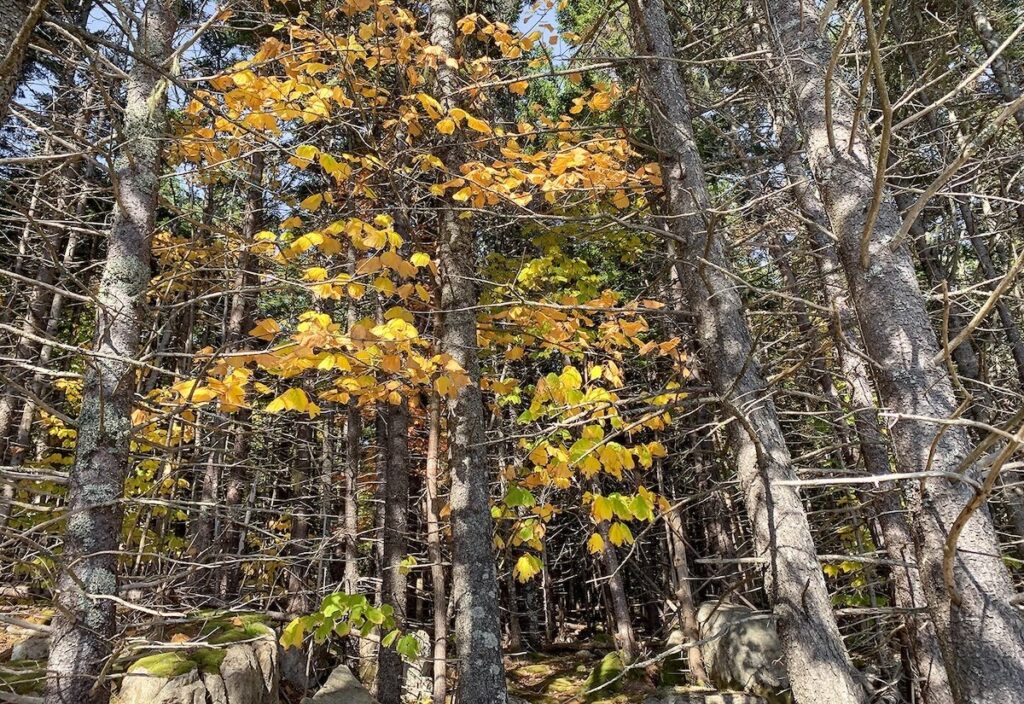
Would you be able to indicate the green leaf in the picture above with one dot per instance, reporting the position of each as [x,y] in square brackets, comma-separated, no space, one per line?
[642,510]
[408,647]
[518,496]
[620,507]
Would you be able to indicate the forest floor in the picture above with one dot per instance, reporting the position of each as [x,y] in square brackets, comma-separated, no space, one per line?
[562,678]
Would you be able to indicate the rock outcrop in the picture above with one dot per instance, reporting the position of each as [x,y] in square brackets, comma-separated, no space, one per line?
[342,687]
[239,667]
[741,651]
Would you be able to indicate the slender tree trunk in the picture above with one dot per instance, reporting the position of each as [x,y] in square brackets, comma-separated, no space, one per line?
[1010,325]
[437,571]
[239,322]
[474,577]
[676,537]
[353,452]
[298,547]
[396,518]
[977,625]
[18,19]
[84,623]
[622,618]
[819,666]
[991,41]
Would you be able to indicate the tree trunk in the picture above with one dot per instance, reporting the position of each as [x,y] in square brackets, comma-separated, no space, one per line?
[440,600]
[84,625]
[978,627]
[930,673]
[18,19]
[676,536]
[818,664]
[239,322]
[1008,87]
[474,577]
[396,518]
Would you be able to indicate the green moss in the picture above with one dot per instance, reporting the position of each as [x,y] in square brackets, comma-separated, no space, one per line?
[673,672]
[180,662]
[223,627]
[608,670]
[224,633]
[208,659]
[537,670]
[167,665]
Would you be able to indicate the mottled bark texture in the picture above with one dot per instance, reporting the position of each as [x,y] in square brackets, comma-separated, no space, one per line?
[981,635]
[18,19]
[931,680]
[433,511]
[816,659]
[396,520]
[474,577]
[84,622]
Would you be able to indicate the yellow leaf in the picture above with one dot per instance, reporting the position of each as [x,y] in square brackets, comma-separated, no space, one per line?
[601,509]
[243,78]
[443,384]
[433,108]
[304,155]
[265,329]
[294,399]
[477,125]
[312,202]
[527,567]
[620,534]
[601,101]
[420,259]
[446,126]
[620,200]
[595,544]
[539,456]
[519,87]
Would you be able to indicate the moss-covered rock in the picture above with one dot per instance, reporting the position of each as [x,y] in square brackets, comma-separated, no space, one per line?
[166,665]
[606,677]
[237,663]
[221,634]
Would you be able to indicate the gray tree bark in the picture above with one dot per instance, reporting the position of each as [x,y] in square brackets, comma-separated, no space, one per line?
[474,576]
[84,623]
[818,664]
[981,635]
[932,682]
[434,552]
[396,519]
